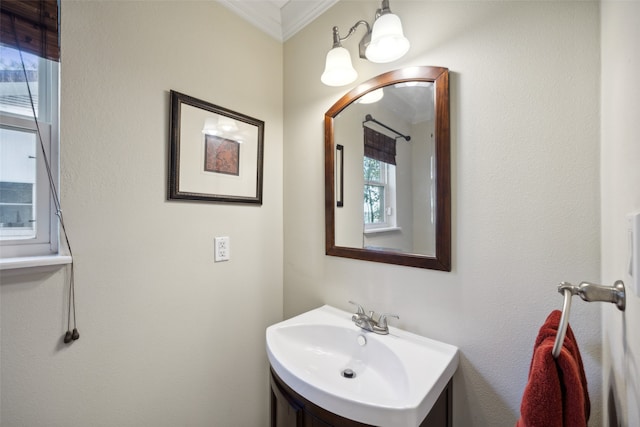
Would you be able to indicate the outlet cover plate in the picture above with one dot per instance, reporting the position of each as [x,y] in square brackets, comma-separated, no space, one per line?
[222,249]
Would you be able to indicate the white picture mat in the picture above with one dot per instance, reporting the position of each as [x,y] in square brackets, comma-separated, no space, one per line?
[192,176]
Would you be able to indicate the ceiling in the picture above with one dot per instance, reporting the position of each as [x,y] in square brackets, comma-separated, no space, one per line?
[280,19]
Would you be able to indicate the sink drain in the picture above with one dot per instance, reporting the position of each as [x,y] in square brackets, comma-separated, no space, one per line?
[348,373]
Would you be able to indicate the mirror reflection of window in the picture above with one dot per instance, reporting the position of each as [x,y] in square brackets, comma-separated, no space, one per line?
[379,203]
[379,169]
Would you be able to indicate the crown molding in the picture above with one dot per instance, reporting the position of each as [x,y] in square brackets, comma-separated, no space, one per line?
[280,19]
[265,15]
[297,14]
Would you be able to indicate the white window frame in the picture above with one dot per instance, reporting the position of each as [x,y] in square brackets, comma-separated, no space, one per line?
[389,184]
[13,253]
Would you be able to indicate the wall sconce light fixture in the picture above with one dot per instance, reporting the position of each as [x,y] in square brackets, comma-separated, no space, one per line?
[385,42]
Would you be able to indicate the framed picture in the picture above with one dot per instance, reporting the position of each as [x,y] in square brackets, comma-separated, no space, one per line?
[215,154]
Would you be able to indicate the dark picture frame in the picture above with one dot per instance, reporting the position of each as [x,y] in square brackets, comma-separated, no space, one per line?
[215,154]
[340,175]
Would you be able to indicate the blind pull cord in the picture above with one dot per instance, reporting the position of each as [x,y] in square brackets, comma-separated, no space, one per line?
[69,335]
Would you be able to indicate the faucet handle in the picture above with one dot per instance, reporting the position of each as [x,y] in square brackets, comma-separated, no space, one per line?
[360,309]
[382,321]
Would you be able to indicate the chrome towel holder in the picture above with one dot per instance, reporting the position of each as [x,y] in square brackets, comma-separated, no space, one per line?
[589,292]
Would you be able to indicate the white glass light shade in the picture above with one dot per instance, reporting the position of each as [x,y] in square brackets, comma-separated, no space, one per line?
[371,97]
[388,42]
[338,70]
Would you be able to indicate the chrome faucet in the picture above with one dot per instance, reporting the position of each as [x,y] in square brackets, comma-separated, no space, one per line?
[382,327]
[367,321]
[361,319]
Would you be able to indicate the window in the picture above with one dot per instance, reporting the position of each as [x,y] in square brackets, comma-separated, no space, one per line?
[27,216]
[379,194]
[379,181]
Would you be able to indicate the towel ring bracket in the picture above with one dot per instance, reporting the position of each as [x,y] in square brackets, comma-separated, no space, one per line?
[589,292]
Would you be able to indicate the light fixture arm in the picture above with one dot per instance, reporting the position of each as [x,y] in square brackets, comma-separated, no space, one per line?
[337,40]
[389,44]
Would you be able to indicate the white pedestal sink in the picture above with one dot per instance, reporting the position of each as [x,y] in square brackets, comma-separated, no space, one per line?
[390,380]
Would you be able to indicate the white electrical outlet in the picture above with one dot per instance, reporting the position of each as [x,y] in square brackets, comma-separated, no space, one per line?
[222,249]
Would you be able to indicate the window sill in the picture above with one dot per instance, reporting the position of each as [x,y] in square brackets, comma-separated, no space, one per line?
[41,262]
[382,230]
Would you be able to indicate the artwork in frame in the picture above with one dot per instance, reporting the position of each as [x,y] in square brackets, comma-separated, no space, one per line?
[215,154]
[221,155]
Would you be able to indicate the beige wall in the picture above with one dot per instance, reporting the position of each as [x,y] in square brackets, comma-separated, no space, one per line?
[168,337]
[525,84]
[620,187]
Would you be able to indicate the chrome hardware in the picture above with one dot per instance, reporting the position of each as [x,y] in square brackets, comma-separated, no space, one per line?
[382,327]
[361,319]
[360,309]
[614,294]
[368,323]
[588,292]
[365,322]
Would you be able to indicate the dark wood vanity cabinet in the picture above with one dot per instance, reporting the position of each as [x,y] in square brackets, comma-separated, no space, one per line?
[289,409]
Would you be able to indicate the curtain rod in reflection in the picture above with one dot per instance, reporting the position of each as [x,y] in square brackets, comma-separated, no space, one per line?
[368,118]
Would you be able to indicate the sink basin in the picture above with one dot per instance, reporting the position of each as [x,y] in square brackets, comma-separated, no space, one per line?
[388,380]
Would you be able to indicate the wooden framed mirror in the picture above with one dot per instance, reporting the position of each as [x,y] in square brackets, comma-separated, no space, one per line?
[388,170]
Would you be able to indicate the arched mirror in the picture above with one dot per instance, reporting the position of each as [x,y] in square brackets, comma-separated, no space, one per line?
[387,170]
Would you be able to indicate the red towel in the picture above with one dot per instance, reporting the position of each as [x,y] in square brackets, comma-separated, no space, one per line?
[556,393]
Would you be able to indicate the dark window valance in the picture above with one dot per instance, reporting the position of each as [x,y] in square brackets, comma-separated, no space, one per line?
[34,23]
[379,147]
